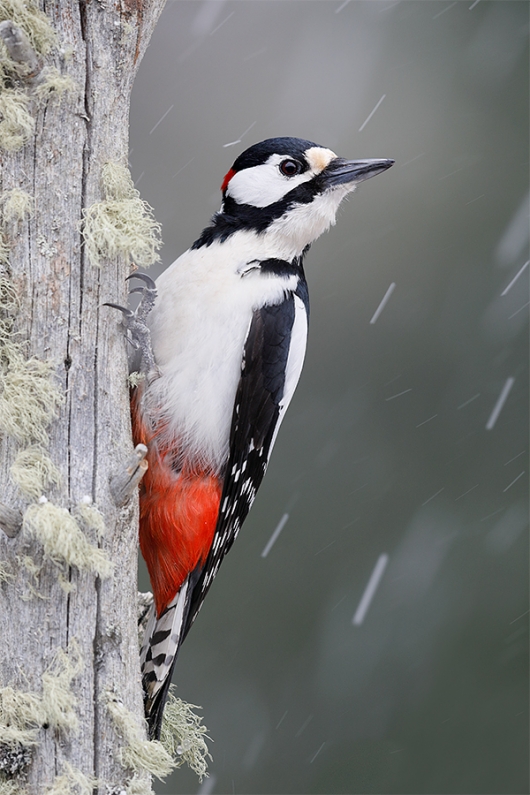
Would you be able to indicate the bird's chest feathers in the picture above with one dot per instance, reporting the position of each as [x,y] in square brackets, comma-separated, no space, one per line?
[198,328]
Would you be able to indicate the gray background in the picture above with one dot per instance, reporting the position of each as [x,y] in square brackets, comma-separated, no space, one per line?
[385,448]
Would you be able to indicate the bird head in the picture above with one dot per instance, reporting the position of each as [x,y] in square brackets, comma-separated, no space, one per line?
[290,189]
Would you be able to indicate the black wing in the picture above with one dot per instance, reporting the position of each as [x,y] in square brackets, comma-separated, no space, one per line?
[257,412]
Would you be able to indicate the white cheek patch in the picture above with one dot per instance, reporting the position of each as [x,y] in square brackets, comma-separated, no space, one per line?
[263,185]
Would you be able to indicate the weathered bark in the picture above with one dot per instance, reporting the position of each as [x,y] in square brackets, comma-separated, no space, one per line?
[61,315]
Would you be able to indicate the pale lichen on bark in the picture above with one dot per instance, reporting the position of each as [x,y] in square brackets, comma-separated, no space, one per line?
[65,427]
[122,223]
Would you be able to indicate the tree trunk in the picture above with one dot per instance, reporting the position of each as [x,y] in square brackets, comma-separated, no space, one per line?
[66,631]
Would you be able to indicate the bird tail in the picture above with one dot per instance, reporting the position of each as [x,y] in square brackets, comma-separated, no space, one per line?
[162,639]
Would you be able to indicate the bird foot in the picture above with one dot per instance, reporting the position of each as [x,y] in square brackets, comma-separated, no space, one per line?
[139,334]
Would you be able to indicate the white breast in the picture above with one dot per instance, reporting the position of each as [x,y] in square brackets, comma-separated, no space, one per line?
[198,327]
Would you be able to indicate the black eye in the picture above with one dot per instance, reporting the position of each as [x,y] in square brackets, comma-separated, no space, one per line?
[290,168]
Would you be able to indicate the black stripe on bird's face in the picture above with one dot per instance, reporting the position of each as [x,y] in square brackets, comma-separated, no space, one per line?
[279,175]
[235,217]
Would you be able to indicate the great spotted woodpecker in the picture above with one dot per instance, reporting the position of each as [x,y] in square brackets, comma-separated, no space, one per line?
[228,332]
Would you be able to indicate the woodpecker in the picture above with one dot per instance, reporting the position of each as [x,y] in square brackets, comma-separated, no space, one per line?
[228,331]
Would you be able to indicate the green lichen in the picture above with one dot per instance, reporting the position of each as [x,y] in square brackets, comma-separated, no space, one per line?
[9,305]
[23,714]
[138,785]
[16,205]
[29,397]
[135,378]
[16,122]
[34,23]
[33,471]
[62,540]
[20,716]
[91,516]
[4,249]
[58,699]
[30,565]
[34,569]
[183,735]
[182,740]
[122,224]
[11,788]
[72,782]
[9,301]
[5,574]
[54,85]
[138,754]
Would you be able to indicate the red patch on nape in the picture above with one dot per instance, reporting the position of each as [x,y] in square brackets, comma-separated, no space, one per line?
[227,179]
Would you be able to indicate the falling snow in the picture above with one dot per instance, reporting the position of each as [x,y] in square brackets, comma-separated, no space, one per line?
[365,122]
[383,303]
[274,536]
[500,403]
[506,289]
[371,588]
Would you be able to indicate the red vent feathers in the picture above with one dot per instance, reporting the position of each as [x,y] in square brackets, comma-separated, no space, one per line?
[178,516]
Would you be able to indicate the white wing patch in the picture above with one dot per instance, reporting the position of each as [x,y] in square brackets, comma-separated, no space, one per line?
[295,360]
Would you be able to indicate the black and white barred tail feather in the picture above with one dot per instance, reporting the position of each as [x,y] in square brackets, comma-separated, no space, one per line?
[158,655]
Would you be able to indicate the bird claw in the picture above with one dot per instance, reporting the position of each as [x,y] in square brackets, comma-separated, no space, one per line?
[151,285]
[149,295]
[126,311]
[135,322]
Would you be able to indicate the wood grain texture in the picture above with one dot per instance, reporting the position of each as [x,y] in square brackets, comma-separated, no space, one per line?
[63,319]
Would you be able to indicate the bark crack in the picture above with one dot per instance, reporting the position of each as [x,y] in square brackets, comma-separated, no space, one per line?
[87,151]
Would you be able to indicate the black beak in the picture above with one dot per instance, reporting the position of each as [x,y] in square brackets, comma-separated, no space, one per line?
[341,171]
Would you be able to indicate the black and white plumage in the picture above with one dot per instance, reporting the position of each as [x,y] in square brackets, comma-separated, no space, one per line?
[228,330]
[272,361]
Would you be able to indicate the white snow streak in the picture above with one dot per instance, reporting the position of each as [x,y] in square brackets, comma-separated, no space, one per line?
[317,753]
[500,403]
[461,406]
[220,25]
[444,10]
[365,122]
[383,302]
[425,421]
[274,536]
[518,310]
[515,456]
[515,278]
[399,394]
[514,481]
[161,119]
[433,496]
[370,590]
[238,140]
